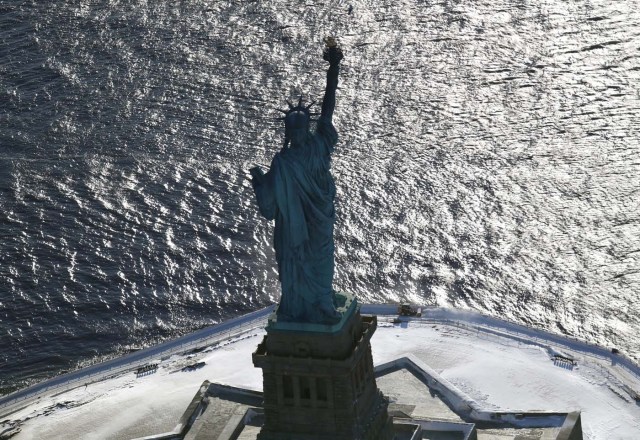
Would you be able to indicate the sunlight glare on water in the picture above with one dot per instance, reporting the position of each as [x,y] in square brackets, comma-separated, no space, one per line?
[488,159]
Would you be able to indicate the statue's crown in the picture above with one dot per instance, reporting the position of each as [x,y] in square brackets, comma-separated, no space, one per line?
[297,116]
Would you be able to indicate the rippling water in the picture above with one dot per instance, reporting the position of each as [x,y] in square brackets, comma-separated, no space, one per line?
[488,159]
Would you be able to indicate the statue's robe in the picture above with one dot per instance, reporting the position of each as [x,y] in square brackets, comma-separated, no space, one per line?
[298,193]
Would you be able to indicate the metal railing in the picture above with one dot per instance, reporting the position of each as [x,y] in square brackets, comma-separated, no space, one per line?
[114,367]
[500,328]
[472,321]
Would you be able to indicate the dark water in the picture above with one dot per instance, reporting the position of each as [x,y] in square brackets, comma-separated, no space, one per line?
[488,159]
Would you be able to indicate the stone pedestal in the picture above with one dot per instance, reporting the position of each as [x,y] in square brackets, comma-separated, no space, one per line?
[319,382]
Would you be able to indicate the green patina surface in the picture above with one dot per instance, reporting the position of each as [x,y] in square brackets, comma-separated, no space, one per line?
[346,305]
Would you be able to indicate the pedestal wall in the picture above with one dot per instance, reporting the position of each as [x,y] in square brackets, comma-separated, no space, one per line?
[321,385]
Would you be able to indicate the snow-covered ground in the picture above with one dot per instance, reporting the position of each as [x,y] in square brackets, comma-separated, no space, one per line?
[501,373]
[498,371]
[125,407]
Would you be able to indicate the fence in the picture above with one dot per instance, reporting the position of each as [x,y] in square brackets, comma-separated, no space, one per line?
[506,330]
[114,367]
[472,321]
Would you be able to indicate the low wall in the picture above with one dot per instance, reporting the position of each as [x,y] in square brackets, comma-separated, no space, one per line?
[94,373]
[517,332]
[464,405]
[464,318]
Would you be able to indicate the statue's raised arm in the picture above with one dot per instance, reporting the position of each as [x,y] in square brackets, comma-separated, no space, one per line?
[298,193]
[333,55]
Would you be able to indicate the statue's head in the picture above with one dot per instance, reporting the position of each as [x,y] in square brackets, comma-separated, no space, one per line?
[296,122]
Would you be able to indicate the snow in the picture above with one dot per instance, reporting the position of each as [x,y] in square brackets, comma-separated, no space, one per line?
[496,371]
[126,407]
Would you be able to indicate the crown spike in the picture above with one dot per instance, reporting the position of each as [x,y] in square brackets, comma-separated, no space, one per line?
[291,106]
[300,101]
[309,106]
[282,111]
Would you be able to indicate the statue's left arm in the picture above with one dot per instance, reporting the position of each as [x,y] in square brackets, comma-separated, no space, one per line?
[263,188]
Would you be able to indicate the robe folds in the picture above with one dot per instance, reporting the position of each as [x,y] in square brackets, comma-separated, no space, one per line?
[298,193]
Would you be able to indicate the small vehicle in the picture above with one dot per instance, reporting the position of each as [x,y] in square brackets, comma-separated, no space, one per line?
[409,310]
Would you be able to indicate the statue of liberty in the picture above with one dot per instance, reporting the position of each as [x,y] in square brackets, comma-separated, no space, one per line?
[298,192]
